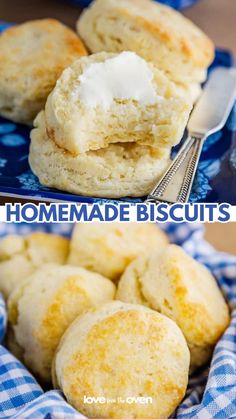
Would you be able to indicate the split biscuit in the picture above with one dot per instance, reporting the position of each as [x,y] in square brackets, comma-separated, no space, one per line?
[114,98]
[120,170]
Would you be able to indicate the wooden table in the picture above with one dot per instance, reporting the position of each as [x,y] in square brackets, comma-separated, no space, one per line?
[215,17]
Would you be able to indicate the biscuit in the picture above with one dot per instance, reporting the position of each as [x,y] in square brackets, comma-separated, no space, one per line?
[33,56]
[179,287]
[11,245]
[123,351]
[46,303]
[101,100]
[191,91]
[20,256]
[156,32]
[116,171]
[108,248]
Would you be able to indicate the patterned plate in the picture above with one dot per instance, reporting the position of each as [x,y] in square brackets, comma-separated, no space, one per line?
[215,180]
[176,4]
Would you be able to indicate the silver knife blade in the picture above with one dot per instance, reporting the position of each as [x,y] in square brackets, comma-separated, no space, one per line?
[209,115]
[213,108]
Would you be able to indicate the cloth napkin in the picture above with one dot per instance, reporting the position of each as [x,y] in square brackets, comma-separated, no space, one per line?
[211,391]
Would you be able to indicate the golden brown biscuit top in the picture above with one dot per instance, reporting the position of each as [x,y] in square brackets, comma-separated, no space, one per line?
[36,50]
[170,26]
[132,339]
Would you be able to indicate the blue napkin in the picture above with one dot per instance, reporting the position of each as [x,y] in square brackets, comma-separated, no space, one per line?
[211,392]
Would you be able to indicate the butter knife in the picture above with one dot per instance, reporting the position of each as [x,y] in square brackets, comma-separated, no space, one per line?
[208,116]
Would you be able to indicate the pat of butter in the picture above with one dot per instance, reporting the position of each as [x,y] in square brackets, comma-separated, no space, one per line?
[123,77]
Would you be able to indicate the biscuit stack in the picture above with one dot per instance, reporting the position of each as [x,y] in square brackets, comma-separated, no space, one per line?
[109,142]
[111,118]
[65,326]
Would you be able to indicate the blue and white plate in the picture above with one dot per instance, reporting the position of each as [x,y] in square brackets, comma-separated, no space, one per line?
[176,4]
[215,180]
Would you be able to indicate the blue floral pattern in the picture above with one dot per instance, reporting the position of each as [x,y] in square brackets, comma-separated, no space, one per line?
[28,180]
[7,128]
[12,140]
[2,162]
[214,180]
[233,158]
[207,170]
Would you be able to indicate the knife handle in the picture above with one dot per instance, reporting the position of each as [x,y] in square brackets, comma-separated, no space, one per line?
[176,184]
